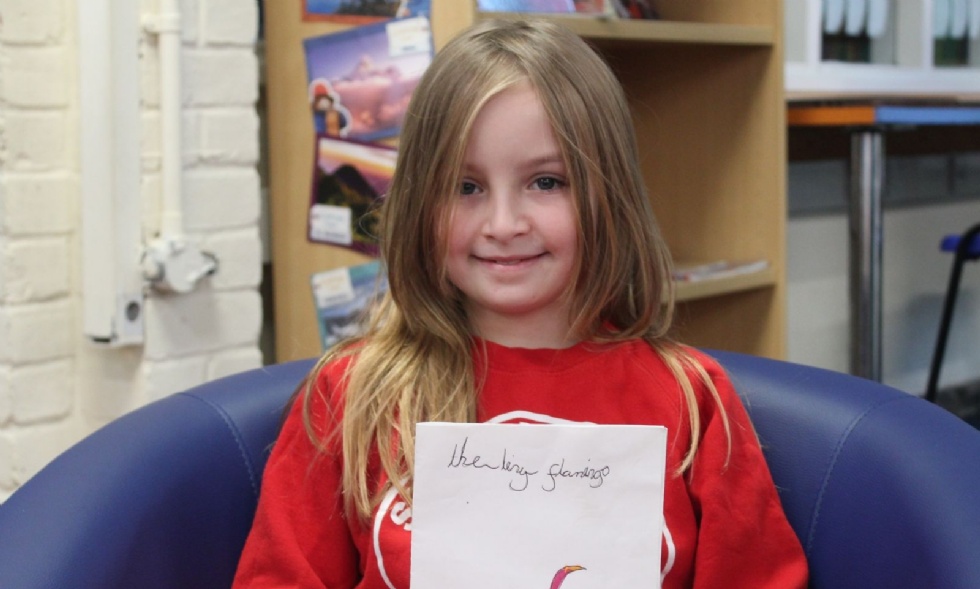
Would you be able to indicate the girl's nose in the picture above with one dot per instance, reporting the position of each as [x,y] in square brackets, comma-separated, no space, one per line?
[506,218]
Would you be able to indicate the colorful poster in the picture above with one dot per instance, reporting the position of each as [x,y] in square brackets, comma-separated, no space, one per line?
[342,297]
[361,79]
[576,506]
[363,11]
[349,181]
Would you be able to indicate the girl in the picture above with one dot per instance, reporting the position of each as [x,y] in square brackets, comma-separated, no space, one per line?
[527,281]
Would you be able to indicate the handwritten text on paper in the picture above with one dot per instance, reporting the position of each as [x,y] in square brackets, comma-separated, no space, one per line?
[520,476]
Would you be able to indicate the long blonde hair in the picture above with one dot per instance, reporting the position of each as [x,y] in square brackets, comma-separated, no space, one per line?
[414,362]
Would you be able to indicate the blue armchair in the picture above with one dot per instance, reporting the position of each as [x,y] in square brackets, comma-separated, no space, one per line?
[882,488]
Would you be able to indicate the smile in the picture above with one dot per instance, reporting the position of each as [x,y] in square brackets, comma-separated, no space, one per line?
[509,260]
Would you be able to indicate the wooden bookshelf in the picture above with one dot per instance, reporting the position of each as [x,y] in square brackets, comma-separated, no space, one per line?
[705,86]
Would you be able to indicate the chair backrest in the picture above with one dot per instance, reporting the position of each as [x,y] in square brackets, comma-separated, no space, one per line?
[881,487]
[161,498]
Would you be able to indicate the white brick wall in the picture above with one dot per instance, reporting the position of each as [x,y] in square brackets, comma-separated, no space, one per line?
[37,204]
[55,385]
[34,269]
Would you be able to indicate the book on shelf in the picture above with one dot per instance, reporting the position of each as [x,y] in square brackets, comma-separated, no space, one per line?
[639,9]
[717,270]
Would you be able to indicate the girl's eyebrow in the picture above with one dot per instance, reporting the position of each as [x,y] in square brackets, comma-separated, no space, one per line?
[554,158]
[546,159]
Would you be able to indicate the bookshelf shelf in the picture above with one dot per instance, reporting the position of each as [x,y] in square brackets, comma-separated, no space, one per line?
[659,31]
[713,287]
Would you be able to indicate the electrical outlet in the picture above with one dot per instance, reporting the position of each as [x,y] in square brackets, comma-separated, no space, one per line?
[128,321]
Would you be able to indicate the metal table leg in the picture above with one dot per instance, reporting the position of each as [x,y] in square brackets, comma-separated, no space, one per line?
[867,184]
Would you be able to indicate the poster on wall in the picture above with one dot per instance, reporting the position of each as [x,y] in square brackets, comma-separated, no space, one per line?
[342,297]
[349,180]
[362,11]
[361,79]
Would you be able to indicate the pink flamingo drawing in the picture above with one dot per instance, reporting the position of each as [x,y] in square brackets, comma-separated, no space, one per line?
[563,572]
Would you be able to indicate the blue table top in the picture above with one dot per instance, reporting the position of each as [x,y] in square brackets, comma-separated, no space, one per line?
[927,115]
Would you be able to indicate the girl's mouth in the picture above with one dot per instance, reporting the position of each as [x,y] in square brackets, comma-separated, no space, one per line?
[510,260]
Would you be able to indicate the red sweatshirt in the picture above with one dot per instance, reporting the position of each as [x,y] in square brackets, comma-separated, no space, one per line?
[724,526]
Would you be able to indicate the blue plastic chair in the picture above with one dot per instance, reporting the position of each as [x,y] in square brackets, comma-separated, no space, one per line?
[880,486]
[965,248]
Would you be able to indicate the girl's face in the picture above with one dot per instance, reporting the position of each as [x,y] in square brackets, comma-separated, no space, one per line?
[513,233]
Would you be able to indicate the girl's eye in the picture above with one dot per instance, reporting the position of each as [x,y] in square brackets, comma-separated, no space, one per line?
[467,188]
[548,183]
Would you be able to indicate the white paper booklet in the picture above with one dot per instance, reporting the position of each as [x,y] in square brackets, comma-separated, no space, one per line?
[536,506]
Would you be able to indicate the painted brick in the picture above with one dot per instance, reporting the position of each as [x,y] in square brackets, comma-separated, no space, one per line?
[202,321]
[230,136]
[234,361]
[37,204]
[34,269]
[42,392]
[109,381]
[7,483]
[32,21]
[151,145]
[191,138]
[221,198]
[190,11]
[230,22]
[34,77]
[239,256]
[36,332]
[6,404]
[221,77]
[209,333]
[34,141]
[166,377]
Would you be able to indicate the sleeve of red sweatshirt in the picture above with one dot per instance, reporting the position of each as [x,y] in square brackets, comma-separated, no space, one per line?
[300,536]
[744,538]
